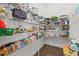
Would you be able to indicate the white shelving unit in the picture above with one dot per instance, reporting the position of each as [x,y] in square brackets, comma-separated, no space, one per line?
[30,49]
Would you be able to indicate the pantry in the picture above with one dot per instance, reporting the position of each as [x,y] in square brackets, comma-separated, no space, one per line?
[36,29]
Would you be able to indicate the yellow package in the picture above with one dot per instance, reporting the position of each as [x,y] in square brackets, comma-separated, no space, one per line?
[5,50]
[2,9]
[29,30]
[67,51]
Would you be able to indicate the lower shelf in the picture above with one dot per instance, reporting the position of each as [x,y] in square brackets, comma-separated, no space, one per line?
[29,50]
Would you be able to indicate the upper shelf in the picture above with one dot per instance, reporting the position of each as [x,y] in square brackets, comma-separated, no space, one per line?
[33,22]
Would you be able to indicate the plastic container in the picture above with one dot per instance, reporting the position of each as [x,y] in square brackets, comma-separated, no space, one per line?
[75,47]
[5,50]
[22,45]
[18,44]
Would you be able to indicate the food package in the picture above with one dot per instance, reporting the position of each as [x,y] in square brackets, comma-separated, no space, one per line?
[5,51]
[33,37]
[2,24]
[29,30]
[28,40]
[1,52]
[9,48]
[2,9]
[14,47]
[22,44]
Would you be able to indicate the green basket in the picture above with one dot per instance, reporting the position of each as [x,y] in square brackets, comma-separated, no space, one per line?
[54,18]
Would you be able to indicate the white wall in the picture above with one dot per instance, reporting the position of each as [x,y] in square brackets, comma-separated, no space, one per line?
[74,28]
[57,9]
[54,9]
[40,7]
[74,24]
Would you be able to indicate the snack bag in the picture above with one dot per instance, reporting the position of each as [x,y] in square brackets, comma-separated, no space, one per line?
[1,52]
[2,24]
[28,40]
[2,9]
[5,51]
[14,47]
[67,51]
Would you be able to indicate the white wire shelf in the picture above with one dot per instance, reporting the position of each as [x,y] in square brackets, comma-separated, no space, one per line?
[33,22]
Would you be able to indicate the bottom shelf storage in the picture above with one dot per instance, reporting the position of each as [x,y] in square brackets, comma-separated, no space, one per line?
[30,49]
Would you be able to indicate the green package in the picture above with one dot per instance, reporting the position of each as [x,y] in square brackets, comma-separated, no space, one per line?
[1,32]
[8,31]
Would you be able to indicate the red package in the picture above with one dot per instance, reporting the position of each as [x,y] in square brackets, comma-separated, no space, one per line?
[2,24]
